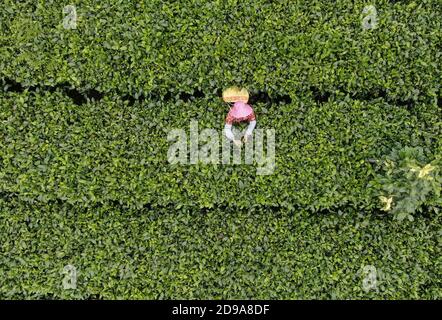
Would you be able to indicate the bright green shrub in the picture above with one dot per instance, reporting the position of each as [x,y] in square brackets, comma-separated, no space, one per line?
[408,181]
[281,47]
[219,253]
[100,151]
[86,182]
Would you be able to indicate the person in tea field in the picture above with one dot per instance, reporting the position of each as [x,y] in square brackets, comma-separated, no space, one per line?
[239,112]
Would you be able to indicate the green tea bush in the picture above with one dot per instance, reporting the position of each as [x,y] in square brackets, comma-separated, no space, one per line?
[409,179]
[280,47]
[86,106]
[110,151]
[220,253]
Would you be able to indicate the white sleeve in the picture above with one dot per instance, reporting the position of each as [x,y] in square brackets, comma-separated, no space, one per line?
[228,132]
[251,127]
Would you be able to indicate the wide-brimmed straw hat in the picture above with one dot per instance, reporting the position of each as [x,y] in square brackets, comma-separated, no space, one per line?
[235,94]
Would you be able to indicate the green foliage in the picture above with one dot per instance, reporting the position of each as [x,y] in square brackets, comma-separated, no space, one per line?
[180,46]
[89,185]
[408,180]
[219,253]
[110,151]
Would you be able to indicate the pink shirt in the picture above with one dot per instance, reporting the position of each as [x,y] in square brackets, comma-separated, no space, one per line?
[240,112]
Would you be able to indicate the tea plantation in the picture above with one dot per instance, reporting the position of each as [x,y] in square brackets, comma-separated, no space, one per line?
[91,206]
